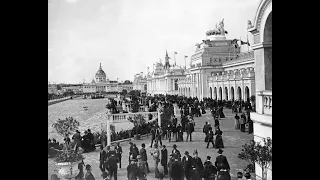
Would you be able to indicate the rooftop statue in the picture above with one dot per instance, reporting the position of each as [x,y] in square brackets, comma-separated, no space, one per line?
[217,30]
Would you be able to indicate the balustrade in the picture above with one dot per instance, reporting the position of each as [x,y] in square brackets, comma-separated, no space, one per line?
[124,116]
[266,101]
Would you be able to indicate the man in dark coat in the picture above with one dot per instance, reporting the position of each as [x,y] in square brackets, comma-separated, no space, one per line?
[194,174]
[143,155]
[112,164]
[177,170]
[210,137]
[187,162]
[197,162]
[135,151]
[102,159]
[77,139]
[153,135]
[91,140]
[221,161]
[132,170]
[164,159]
[118,151]
[175,151]
[205,131]
[189,130]
[180,132]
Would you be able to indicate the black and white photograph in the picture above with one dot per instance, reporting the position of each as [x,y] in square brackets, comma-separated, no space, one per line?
[159,89]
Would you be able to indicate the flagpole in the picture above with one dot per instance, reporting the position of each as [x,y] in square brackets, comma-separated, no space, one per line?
[174,57]
[247,41]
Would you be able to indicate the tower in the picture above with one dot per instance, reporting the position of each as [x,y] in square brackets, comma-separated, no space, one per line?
[167,64]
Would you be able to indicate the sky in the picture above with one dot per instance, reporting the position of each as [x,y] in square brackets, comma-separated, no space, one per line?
[127,36]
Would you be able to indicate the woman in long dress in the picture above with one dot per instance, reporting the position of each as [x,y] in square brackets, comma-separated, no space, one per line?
[236,122]
[218,141]
[221,112]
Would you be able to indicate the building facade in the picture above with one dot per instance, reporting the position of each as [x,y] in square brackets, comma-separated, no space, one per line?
[140,82]
[261,29]
[164,79]
[125,86]
[100,84]
[218,70]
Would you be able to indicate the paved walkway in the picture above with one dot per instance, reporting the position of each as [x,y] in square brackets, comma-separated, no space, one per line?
[233,141]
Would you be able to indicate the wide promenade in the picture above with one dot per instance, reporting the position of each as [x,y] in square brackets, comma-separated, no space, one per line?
[233,141]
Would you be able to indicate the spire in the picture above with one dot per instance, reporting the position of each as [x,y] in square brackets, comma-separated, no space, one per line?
[167,64]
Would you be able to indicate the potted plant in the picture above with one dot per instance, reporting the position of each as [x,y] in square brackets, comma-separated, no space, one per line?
[258,154]
[67,159]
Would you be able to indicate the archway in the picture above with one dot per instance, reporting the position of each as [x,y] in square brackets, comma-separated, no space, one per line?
[211,92]
[145,87]
[215,93]
[220,93]
[239,93]
[267,38]
[247,94]
[232,93]
[226,93]
[189,92]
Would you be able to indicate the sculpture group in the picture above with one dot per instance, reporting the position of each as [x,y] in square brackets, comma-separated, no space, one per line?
[217,30]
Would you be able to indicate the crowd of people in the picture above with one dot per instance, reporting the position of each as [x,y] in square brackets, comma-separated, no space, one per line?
[174,166]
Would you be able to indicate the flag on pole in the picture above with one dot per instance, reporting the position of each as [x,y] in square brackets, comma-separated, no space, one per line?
[175,53]
[185,56]
[242,43]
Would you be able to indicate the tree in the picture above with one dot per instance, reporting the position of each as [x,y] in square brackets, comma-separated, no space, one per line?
[256,153]
[137,120]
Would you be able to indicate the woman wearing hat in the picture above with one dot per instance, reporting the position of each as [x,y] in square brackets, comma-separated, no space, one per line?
[222,166]
[218,141]
[89,175]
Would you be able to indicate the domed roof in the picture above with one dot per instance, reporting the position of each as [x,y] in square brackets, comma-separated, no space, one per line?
[100,71]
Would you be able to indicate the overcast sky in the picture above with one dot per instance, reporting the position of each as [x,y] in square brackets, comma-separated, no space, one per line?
[126,36]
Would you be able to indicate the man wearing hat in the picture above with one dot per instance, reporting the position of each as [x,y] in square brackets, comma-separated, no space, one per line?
[187,162]
[132,170]
[175,151]
[118,150]
[143,155]
[176,169]
[221,162]
[197,162]
[102,159]
[77,139]
[142,173]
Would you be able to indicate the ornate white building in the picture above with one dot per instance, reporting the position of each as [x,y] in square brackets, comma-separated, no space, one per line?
[261,30]
[218,69]
[100,84]
[164,79]
[140,82]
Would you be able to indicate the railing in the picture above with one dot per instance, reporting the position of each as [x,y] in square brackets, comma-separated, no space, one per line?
[266,101]
[114,118]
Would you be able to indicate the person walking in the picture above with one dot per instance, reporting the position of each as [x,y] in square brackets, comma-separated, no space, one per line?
[77,139]
[222,165]
[143,155]
[164,159]
[112,164]
[89,175]
[187,164]
[210,137]
[236,122]
[118,150]
[156,156]
[102,159]
[242,123]
[197,162]
[177,170]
